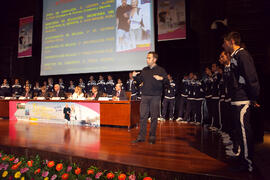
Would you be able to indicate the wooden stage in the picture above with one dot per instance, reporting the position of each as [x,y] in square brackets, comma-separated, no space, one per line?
[182,151]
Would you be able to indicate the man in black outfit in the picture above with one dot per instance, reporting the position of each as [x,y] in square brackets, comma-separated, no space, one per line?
[66,112]
[153,78]
[244,89]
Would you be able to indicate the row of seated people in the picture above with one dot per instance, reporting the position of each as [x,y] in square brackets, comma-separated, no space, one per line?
[107,88]
[95,94]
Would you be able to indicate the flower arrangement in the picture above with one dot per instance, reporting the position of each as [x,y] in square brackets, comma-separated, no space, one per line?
[13,168]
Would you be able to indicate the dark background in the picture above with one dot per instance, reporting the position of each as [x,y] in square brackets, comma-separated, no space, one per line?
[200,49]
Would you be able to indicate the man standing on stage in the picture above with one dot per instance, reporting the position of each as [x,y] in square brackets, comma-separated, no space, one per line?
[244,90]
[153,78]
[66,112]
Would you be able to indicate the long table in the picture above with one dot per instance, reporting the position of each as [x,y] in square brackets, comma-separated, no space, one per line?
[115,113]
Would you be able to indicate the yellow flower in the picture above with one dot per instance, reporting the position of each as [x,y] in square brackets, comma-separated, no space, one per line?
[22,178]
[17,175]
[5,173]
[46,178]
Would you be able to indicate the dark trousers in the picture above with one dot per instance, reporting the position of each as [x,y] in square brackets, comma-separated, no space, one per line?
[213,112]
[168,103]
[189,113]
[208,119]
[244,133]
[182,106]
[226,118]
[197,110]
[134,97]
[149,105]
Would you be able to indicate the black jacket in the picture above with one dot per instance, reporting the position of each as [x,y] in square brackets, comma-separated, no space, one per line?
[60,94]
[170,90]
[243,82]
[151,86]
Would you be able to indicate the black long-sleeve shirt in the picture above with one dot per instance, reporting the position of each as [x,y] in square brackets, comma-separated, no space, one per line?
[151,86]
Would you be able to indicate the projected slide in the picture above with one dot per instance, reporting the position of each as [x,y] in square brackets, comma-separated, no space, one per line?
[84,36]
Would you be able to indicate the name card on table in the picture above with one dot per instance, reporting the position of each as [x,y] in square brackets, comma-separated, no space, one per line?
[103,99]
[40,98]
[55,98]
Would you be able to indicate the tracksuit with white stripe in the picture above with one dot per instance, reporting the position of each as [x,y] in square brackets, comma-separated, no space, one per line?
[183,99]
[214,115]
[243,89]
[194,101]
[198,99]
[131,86]
[207,84]
[169,100]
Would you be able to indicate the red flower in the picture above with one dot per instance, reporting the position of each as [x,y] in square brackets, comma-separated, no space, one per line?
[147,178]
[90,171]
[11,159]
[30,163]
[59,167]
[110,176]
[122,177]
[16,165]
[37,171]
[78,171]
[50,164]
[65,176]
[4,158]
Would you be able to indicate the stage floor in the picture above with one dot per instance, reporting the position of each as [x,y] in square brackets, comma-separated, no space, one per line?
[179,148]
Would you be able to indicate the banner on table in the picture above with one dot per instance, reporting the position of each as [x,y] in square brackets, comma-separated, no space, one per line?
[171,20]
[81,113]
[25,37]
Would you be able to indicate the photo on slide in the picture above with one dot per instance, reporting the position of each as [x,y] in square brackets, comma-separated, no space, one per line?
[133,25]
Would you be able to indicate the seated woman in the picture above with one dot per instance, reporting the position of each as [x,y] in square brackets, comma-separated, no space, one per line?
[95,94]
[78,94]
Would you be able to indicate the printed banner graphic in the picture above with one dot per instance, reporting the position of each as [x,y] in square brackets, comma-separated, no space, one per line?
[25,37]
[80,113]
[171,20]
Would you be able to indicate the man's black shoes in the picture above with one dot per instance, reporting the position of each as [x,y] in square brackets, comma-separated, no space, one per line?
[152,141]
[137,141]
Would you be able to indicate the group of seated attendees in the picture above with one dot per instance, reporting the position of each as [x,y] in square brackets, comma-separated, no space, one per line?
[92,90]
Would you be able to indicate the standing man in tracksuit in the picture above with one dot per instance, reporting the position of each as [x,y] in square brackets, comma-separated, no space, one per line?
[229,133]
[101,84]
[183,98]
[109,86]
[132,87]
[244,90]
[198,99]
[90,84]
[207,84]
[215,98]
[169,99]
[189,113]
[221,104]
